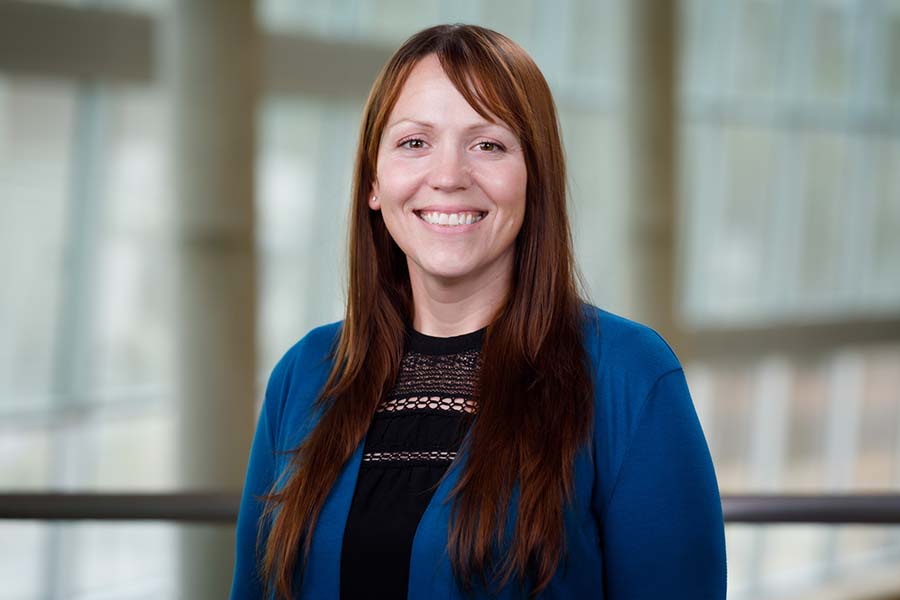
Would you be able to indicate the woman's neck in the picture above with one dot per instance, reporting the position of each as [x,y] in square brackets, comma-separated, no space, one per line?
[445,308]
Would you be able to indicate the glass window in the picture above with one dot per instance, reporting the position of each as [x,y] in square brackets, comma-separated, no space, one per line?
[785,156]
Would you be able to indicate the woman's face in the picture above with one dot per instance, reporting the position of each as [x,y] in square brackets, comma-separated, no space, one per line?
[450,185]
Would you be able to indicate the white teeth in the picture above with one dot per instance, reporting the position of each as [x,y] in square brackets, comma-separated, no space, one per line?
[451,219]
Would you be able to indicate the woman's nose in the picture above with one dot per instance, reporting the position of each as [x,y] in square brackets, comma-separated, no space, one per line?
[449,169]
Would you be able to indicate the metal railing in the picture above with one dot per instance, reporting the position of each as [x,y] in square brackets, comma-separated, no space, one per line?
[221,507]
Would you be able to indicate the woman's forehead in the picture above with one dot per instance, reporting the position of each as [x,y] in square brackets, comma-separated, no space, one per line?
[429,99]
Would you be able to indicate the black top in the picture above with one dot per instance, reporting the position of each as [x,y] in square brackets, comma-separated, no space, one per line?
[414,436]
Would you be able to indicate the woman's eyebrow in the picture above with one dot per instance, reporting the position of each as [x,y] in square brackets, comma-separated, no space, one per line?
[424,124]
[429,125]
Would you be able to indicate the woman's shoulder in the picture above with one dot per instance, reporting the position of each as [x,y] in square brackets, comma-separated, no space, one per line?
[311,350]
[298,377]
[621,347]
[308,356]
[632,364]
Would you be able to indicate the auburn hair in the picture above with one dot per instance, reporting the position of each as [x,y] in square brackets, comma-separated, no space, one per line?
[535,388]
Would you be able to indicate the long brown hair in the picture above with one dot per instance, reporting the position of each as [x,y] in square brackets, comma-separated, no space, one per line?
[535,389]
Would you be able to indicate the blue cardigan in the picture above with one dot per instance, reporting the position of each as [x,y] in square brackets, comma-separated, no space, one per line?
[646,522]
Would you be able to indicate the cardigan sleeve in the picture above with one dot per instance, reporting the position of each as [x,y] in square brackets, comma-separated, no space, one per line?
[662,529]
[246,582]
[287,415]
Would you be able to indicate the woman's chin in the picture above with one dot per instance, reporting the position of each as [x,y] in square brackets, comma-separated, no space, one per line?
[447,273]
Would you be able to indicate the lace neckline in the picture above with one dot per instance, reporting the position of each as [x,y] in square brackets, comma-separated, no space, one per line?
[428,344]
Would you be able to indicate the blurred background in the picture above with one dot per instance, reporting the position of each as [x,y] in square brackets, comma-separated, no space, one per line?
[174,187]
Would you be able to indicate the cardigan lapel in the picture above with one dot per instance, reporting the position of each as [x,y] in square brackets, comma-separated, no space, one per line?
[323,571]
[430,575]
[429,568]
[430,572]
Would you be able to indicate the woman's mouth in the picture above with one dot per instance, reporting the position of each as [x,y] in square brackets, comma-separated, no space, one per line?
[450,219]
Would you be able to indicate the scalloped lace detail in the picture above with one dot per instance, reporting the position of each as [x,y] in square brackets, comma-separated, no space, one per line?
[410,455]
[426,402]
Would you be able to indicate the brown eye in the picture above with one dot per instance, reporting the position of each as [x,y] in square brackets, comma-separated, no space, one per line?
[490,146]
[413,143]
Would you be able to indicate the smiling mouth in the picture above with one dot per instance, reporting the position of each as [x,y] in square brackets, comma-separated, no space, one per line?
[450,219]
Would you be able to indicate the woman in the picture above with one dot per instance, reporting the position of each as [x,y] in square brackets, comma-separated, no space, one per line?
[472,428]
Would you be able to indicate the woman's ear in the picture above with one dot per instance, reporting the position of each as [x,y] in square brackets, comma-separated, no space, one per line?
[374,203]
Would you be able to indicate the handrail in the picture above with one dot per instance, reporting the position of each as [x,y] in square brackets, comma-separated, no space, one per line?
[192,507]
[823,509]
[222,507]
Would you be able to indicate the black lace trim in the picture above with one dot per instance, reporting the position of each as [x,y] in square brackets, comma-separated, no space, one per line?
[442,375]
[439,456]
[436,376]
[429,402]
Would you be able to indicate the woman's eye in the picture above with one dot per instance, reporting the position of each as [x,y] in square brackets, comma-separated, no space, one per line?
[413,143]
[490,146]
